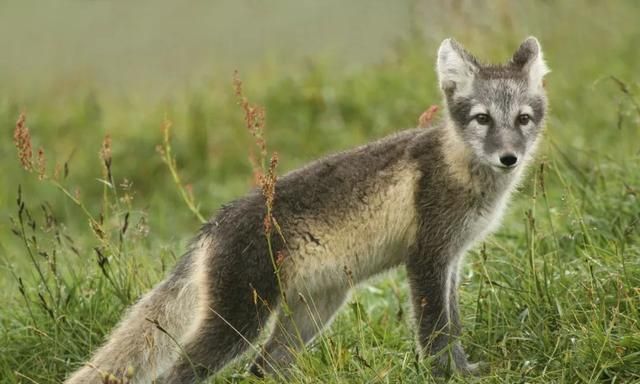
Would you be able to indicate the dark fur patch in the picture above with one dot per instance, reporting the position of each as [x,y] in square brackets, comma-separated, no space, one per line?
[459,110]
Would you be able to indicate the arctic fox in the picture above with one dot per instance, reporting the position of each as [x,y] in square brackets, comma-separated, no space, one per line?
[418,198]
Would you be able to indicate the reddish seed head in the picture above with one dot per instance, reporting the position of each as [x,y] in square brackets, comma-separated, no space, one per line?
[427,116]
[22,140]
[280,258]
[255,122]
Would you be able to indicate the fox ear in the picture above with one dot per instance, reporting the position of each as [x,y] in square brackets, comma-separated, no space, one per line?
[528,58]
[456,67]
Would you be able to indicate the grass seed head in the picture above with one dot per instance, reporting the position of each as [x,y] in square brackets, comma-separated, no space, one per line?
[427,116]
[22,140]
[41,164]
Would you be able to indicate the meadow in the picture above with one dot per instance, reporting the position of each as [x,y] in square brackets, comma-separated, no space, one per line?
[117,182]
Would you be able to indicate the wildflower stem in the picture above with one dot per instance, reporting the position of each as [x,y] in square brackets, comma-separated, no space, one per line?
[169,160]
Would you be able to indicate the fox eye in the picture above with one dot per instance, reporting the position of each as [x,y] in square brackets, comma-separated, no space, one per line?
[524,119]
[482,118]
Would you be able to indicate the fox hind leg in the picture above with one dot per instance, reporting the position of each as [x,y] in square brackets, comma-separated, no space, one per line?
[307,315]
[220,338]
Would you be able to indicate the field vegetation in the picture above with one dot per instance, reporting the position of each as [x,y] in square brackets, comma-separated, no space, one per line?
[102,190]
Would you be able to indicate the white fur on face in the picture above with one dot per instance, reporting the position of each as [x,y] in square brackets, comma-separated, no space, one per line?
[477,109]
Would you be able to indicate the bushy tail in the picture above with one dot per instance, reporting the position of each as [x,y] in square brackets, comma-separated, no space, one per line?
[146,342]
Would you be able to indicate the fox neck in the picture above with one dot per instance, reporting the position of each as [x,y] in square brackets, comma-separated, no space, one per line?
[469,171]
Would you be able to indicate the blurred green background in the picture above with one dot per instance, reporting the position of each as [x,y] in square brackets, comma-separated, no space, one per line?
[331,74]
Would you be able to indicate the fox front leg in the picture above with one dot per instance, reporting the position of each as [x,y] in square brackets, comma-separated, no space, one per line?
[433,292]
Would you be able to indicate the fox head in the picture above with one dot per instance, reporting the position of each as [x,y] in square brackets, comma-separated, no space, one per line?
[497,110]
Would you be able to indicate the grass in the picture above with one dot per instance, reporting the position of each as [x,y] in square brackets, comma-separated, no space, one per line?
[554,296]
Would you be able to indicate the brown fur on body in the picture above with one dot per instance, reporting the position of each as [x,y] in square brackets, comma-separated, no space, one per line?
[418,198]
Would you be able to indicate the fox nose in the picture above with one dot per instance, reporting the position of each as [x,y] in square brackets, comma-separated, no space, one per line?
[508,159]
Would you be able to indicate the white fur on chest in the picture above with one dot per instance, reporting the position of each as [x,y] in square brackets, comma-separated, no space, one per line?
[480,224]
